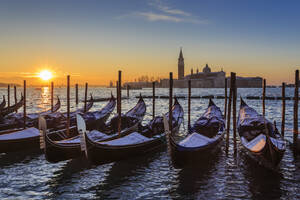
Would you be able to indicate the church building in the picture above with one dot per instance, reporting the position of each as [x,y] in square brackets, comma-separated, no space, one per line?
[207,78]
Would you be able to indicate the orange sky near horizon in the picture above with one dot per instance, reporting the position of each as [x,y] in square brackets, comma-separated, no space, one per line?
[98,70]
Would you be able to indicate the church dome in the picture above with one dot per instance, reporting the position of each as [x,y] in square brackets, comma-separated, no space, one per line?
[206,69]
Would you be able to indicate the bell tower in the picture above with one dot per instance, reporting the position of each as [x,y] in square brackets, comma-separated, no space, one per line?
[180,65]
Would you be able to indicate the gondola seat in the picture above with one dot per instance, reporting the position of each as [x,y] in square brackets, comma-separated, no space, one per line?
[25,133]
[196,140]
[95,135]
[257,143]
[132,138]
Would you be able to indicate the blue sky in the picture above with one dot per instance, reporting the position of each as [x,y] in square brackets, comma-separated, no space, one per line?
[144,36]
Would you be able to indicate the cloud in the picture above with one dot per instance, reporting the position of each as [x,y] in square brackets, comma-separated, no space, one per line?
[165,13]
[166,9]
[150,16]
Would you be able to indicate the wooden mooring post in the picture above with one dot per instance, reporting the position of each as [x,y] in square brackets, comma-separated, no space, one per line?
[170,102]
[24,104]
[264,98]
[153,99]
[117,92]
[127,87]
[225,96]
[85,96]
[234,97]
[52,87]
[8,95]
[76,93]
[189,104]
[68,105]
[15,95]
[119,101]
[283,109]
[296,97]
[229,114]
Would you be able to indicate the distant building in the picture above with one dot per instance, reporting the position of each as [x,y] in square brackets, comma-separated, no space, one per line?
[204,79]
[111,84]
[207,78]
[247,82]
[180,66]
[140,84]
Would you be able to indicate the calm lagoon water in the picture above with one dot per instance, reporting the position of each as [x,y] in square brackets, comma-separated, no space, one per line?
[27,175]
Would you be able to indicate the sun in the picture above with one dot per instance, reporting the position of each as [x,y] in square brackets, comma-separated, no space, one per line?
[45,75]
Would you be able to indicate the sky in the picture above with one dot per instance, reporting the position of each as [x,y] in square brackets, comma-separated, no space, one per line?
[91,40]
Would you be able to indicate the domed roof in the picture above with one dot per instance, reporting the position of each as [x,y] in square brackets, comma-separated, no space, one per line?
[206,69]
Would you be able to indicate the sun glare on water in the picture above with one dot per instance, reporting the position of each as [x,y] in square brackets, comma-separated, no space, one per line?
[45,75]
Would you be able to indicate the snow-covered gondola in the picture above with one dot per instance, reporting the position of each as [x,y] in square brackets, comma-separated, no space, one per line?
[56,151]
[259,137]
[7,110]
[203,138]
[17,139]
[16,120]
[148,139]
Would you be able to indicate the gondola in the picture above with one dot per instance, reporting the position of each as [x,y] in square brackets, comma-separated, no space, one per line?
[17,139]
[203,139]
[259,137]
[7,110]
[16,120]
[148,139]
[58,120]
[56,151]
[3,103]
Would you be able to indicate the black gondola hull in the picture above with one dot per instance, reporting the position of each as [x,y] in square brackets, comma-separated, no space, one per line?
[7,146]
[265,157]
[101,154]
[186,156]
[56,152]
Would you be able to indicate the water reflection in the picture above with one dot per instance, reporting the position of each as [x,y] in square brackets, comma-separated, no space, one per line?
[69,170]
[45,98]
[122,172]
[193,180]
[262,183]
[23,157]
